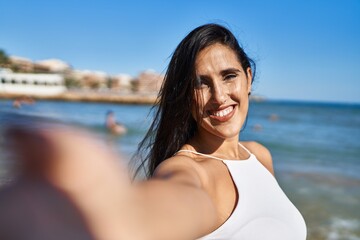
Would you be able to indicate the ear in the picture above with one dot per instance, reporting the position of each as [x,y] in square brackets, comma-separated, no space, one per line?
[249,79]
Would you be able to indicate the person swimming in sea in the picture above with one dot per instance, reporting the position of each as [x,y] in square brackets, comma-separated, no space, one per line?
[113,126]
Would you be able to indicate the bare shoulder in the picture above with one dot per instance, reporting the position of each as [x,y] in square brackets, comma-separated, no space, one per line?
[262,154]
[181,168]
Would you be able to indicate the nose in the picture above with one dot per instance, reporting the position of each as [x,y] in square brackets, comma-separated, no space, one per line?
[219,93]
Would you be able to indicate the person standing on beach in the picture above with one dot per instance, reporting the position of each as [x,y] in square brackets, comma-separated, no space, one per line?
[203,183]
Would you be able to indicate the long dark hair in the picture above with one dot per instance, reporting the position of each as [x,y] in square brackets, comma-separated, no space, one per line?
[173,123]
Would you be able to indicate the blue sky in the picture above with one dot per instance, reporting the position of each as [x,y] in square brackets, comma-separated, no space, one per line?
[305,50]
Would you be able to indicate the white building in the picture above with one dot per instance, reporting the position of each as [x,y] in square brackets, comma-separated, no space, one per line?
[122,82]
[35,84]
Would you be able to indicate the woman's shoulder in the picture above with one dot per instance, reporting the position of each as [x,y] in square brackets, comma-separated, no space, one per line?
[183,167]
[179,161]
[261,152]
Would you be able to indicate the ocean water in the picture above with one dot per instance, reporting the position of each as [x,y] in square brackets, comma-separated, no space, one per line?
[315,149]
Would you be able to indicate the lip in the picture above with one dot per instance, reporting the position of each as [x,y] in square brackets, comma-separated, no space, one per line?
[223,118]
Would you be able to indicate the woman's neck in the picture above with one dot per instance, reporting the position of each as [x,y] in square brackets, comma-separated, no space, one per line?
[216,146]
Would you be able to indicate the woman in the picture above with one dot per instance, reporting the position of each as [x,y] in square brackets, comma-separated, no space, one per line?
[203,183]
[194,140]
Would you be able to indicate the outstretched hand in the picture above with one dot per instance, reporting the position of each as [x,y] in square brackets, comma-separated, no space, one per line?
[70,186]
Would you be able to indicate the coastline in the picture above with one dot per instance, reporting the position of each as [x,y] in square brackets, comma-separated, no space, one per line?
[91,96]
[140,98]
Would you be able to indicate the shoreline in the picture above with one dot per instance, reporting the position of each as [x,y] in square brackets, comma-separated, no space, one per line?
[144,98]
[89,96]
[99,97]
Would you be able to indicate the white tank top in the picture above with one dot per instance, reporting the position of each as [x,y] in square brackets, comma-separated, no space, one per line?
[263,211]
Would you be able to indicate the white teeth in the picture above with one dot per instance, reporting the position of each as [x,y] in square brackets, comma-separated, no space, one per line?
[223,112]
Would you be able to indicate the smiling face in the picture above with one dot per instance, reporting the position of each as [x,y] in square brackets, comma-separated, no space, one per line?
[222,90]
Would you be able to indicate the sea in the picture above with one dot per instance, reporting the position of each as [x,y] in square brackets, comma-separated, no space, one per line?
[315,149]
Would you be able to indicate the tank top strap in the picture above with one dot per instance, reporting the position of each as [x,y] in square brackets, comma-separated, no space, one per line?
[209,156]
[200,154]
[245,148]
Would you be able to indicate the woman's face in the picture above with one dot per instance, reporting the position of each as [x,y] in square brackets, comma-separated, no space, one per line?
[222,91]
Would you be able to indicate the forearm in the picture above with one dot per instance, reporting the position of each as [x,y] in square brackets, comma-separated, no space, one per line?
[100,189]
[172,210]
[151,210]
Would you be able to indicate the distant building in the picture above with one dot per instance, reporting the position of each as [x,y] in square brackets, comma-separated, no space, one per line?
[90,79]
[34,84]
[38,68]
[149,81]
[54,65]
[22,64]
[122,82]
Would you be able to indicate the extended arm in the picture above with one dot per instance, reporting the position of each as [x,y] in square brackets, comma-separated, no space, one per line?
[172,205]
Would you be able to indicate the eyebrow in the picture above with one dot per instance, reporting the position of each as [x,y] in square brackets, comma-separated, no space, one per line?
[229,70]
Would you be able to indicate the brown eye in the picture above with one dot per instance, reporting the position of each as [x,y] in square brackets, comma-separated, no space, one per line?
[230,77]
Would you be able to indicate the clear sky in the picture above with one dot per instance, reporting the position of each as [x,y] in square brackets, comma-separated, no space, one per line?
[305,50]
